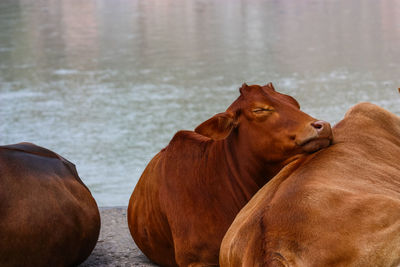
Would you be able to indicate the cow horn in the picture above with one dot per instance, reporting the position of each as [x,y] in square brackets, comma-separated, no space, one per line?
[270,85]
[244,86]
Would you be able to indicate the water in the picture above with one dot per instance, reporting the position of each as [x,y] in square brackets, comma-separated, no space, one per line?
[106,83]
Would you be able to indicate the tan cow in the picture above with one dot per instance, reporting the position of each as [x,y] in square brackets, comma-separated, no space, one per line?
[47,215]
[337,207]
[192,190]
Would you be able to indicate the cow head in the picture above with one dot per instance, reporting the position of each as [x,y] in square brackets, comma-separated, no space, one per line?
[268,124]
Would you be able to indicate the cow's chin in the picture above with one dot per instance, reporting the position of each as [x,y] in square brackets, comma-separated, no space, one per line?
[315,145]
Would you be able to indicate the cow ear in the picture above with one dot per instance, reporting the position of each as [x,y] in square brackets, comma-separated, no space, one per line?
[217,127]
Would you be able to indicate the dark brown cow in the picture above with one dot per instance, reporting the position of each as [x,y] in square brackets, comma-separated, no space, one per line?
[47,215]
[192,190]
[337,207]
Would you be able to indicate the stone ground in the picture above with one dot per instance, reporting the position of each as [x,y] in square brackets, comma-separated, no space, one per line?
[115,246]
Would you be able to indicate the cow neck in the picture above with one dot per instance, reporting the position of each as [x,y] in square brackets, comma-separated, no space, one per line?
[244,166]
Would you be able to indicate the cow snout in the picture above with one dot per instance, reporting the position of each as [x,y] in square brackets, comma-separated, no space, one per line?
[317,135]
[323,129]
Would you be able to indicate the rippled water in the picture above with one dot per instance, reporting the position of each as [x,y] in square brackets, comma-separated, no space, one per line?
[107,83]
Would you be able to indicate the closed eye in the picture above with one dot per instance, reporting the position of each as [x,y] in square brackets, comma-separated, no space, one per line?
[262,110]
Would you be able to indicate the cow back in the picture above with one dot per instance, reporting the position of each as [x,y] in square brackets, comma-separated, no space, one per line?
[47,215]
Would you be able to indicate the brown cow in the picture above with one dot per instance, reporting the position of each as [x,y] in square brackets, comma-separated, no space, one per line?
[337,207]
[47,215]
[192,190]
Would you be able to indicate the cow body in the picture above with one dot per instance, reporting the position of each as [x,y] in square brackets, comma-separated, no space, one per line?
[191,191]
[47,215]
[337,207]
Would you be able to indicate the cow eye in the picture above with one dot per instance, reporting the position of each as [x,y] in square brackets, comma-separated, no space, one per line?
[263,110]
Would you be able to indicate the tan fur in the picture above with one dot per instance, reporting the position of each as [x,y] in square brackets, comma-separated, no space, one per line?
[337,207]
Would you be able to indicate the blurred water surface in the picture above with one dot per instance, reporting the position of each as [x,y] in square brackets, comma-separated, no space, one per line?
[107,83]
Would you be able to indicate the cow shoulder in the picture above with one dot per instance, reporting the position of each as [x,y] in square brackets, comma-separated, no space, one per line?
[44,153]
[369,121]
[31,149]
[185,156]
[187,142]
[373,112]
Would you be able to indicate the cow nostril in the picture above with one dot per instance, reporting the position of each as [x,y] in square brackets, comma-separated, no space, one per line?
[319,125]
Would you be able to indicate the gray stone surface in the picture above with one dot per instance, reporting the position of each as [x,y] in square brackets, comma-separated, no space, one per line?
[115,246]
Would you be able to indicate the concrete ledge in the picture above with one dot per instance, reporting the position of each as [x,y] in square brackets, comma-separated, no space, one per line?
[115,246]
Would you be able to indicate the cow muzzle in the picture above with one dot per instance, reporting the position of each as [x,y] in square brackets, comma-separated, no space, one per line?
[318,135]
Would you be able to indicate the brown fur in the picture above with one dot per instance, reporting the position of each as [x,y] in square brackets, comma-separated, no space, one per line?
[192,190]
[337,207]
[47,215]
